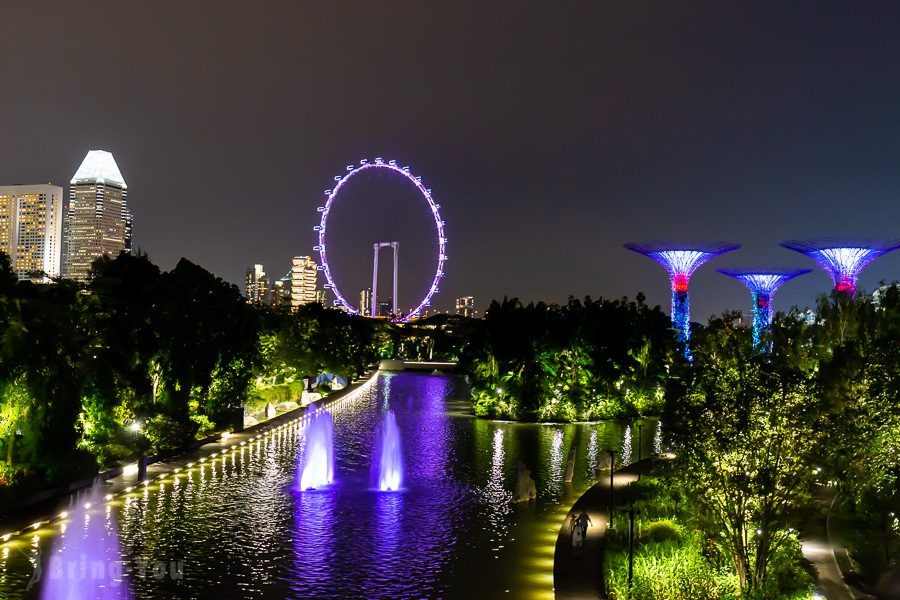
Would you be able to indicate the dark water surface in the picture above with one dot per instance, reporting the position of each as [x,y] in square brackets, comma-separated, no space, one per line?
[235,527]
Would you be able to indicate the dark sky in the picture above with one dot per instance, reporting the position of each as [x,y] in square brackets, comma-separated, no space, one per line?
[550,132]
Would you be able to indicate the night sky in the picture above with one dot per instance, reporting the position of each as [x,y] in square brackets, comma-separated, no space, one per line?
[551,133]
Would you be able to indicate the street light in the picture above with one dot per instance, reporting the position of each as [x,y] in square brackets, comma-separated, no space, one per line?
[136,428]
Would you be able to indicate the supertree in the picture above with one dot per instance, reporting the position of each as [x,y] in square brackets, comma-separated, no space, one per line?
[843,259]
[680,260]
[763,283]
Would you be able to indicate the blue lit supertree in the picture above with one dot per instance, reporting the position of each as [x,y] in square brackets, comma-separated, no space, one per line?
[763,283]
[843,259]
[680,260]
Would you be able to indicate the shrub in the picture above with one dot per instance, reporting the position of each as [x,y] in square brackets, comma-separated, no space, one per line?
[205,427]
[165,433]
[10,474]
[669,571]
[663,530]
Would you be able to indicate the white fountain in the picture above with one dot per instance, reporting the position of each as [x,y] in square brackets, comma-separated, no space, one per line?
[318,470]
[389,468]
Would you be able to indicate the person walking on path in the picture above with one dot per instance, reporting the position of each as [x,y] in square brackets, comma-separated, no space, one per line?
[579,529]
[584,520]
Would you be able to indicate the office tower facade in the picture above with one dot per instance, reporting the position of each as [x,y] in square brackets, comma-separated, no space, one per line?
[304,276]
[256,285]
[98,221]
[365,302]
[465,306]
[31,219]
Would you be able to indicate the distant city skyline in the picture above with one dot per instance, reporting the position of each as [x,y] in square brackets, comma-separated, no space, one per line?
[749,123]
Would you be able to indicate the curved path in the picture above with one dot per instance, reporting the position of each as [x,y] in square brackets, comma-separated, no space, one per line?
[578,572]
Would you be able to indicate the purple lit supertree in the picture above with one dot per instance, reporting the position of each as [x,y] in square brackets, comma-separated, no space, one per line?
[763,283]
[843,259]
[680,261]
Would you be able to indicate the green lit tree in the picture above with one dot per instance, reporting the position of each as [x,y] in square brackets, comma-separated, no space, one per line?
[748,440]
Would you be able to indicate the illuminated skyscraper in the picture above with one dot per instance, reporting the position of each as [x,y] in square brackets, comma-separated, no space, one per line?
[98,221]
[762,285]
[304,276]
[365,302]
[257,286]
[465,306]
[680,261]
[31,218]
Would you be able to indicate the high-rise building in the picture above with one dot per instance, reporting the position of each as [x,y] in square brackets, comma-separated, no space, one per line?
[465,306]
[280,293]
[365,302]
[303,280]
[31,218]
[257,285]
[321,297]
[385,308]
[98,221]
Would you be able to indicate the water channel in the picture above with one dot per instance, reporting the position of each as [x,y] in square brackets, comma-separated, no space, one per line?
[238,527]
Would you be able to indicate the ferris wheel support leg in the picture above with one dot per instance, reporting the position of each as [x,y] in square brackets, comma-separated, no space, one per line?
[396,247]
[375,281]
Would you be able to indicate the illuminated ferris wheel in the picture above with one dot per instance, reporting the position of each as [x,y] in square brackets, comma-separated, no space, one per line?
[332,196]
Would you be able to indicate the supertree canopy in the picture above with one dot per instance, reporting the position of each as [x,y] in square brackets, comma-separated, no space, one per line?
[843,259]
[680,260]
[763,283]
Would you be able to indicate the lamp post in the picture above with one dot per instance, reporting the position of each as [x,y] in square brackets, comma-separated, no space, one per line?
[135,427]
[631,512]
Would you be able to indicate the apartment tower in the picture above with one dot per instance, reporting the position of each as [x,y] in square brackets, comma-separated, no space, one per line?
[31,219]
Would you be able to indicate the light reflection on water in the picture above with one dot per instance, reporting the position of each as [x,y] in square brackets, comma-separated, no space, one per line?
[627,446]
[241,531]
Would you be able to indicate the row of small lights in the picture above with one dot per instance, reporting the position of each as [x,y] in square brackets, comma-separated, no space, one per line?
[258,438]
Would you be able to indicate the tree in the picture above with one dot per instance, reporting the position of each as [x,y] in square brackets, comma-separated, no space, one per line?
[748,442]
[584,360]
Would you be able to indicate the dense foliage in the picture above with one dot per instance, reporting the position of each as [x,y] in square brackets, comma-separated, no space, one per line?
[760,438]
[171,352]
[586,360]
[676,559]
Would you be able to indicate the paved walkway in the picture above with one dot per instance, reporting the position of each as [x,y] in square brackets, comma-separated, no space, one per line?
[578,572]
[830,560]
[50,513]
